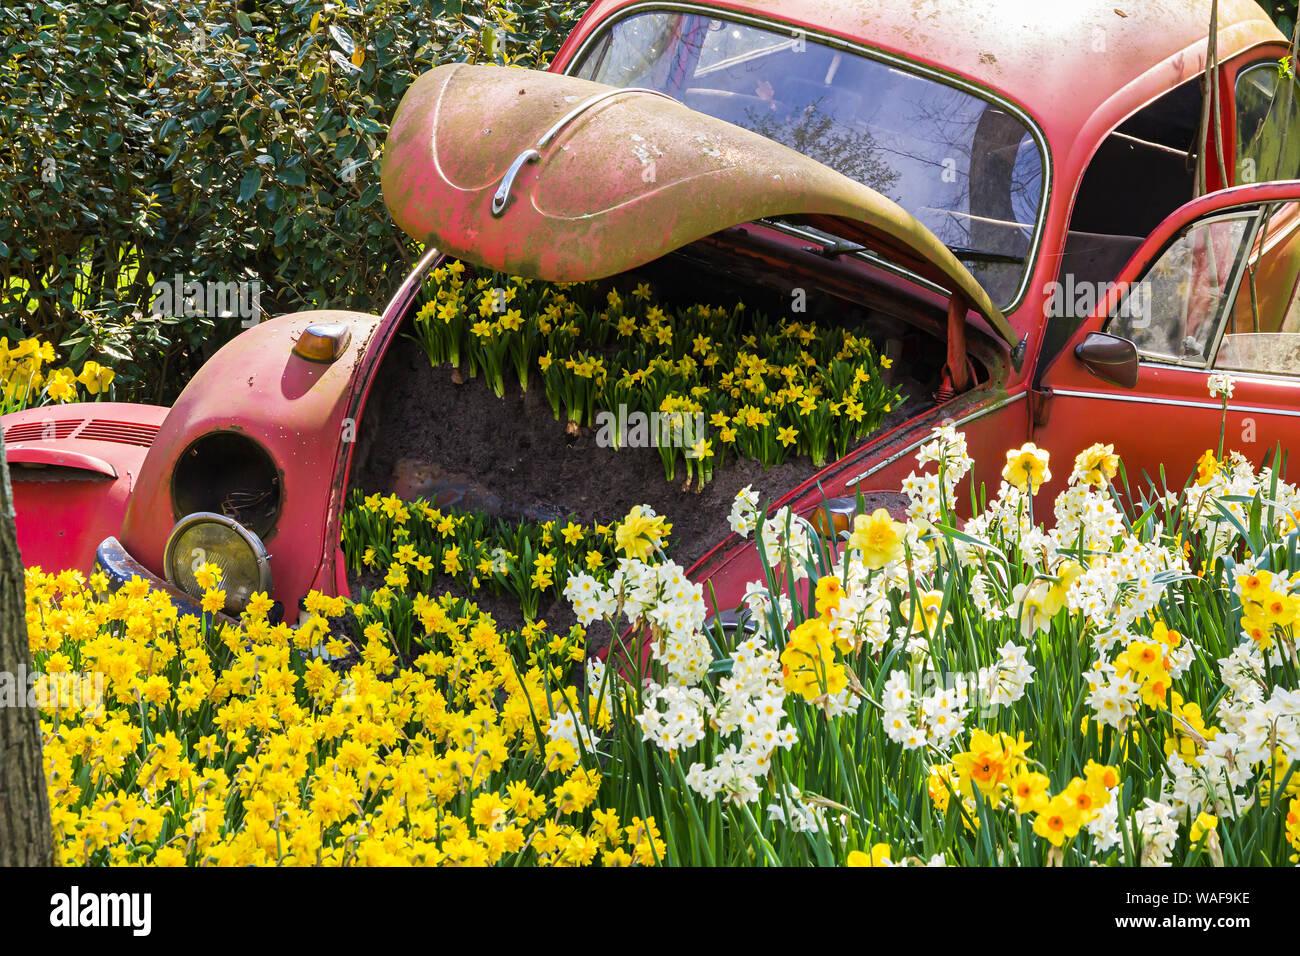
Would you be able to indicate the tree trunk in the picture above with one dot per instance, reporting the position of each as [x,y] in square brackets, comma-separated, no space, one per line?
[25,838]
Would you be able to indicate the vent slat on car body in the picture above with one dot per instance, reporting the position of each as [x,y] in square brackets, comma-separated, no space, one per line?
[42,431]
[124,433]
[95,429]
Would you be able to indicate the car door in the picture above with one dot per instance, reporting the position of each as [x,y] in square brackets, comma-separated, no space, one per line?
[1212,289]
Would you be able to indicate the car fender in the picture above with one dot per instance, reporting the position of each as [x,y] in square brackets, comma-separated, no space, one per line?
[295,409]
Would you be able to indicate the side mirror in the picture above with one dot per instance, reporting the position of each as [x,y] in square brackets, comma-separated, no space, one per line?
[1110,358]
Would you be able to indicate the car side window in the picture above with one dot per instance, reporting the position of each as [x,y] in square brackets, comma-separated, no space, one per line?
[1175,312]
[1268,124]
[1140,174]
[1262,332]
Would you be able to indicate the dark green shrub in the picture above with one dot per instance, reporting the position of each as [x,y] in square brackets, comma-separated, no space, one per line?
[221,143]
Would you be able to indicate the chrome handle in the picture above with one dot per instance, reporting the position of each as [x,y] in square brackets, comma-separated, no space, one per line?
[501,199]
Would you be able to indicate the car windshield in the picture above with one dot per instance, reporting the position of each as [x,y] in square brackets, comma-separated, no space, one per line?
[966,168]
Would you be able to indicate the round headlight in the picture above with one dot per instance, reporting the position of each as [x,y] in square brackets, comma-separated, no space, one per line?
[208,538]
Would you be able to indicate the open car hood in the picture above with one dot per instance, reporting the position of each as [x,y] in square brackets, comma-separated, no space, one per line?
[555,177]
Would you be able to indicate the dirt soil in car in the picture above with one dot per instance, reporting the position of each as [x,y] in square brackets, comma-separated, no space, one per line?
[511,457]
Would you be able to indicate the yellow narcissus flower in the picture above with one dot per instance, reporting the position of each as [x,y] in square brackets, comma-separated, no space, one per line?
[1055,598]
[1254,586]
[1204,823]
[208,575]
[1101,776]
[95,377]
[1026,468]
[939,785]
[1280,610]
[396,577]
[828,594]
[1207,466]
[877,538]
[62,386]
[395,509]
[923,616]
[808,662]
[988,764]
[1058,821]
[213,600]
[490,811]
[259,605]
[1087,798]
[641,532]
[879,856]
[1096,465]
[1029,791]
[1146,658]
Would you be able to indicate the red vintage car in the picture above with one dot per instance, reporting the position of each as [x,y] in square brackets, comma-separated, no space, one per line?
[1032,199]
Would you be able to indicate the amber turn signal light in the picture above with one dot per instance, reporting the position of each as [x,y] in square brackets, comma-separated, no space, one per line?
[322,343]
[834,516]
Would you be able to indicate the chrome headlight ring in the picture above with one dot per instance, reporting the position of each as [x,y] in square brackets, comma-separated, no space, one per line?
[206,537]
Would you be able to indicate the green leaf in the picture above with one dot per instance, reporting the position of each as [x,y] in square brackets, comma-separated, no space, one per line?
[343,63]
[343,39]
[249,185]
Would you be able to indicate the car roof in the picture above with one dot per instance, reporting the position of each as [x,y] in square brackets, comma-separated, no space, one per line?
[1062,60]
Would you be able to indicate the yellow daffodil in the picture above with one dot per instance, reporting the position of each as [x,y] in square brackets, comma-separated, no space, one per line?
[1026,468]
[877,538]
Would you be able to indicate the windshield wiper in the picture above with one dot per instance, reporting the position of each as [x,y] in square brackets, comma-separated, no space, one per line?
[834,248]
[979,255]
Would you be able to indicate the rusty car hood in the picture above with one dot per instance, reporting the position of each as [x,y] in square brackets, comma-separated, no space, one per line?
[560,178]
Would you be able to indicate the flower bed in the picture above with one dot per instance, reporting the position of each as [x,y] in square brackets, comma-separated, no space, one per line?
[1120,689]
[535,402]
[726,383]
[419,547]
